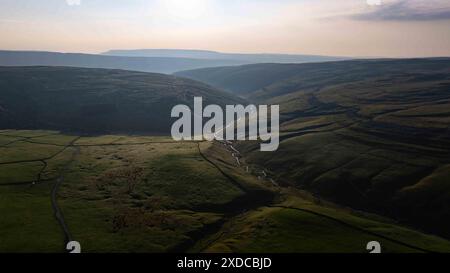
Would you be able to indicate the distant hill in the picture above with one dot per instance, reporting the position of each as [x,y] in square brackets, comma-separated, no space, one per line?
[160,61]
[205,54]
[370,134]
[96,100]
[143,64]
[244,80]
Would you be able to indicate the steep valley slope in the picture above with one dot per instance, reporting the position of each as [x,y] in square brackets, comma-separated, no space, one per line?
[371,134]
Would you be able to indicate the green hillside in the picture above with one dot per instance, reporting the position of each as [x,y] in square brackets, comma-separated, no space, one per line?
[95,100]
[276,79]
[244,79]
[376,144]
[371,134]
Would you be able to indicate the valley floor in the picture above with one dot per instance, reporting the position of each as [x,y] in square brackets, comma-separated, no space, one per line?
[151,194]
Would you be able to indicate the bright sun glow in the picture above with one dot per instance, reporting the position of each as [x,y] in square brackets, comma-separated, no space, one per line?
[186,9]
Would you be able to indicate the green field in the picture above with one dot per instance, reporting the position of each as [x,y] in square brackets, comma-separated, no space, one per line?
[149,194]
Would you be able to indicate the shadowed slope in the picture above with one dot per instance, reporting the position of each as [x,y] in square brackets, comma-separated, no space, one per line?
[96,100]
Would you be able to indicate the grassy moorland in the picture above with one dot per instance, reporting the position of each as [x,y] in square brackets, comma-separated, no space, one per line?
[130,194]
[149,194]
[371,134]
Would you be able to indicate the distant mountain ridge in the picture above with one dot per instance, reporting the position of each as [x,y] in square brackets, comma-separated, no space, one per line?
[207,54]
[160,61]
[142,64]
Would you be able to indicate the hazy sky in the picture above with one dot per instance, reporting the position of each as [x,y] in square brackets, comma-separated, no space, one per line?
[397,28]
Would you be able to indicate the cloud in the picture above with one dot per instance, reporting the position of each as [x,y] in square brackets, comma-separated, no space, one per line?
[73,2]
[407,10]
